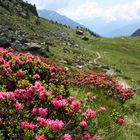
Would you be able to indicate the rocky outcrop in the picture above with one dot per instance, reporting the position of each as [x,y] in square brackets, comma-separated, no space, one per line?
[19,7]
[20,41]
[79,32]
[85,38]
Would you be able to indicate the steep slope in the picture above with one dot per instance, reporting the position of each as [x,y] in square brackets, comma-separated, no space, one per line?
[19,7]
[52,15]
[76,51]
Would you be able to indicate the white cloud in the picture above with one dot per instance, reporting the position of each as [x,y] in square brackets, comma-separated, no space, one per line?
[91,9]
[49,4]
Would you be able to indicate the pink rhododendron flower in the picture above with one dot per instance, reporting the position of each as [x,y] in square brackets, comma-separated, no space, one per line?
[2,60]
[89,114]
[29,61]
[32,126]
[121,121]
[71,99]
[75,105]
[6,64]
[48,93]
[83,123]
[55,125]
[40,137]
[36,76]
[42,96]
[20,73]
[59,103]
[10,95]
[124,95]
[87,135]
[19,61]
[96,137]
[66,137]
[42,112]
[110,94]
[29,103]
[34,111]
[42,121]
[102,109]
[24,125]
[1,96]
[29,56]
[94,97]
[18,106]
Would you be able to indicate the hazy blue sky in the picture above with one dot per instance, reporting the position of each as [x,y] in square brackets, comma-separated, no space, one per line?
[81,10]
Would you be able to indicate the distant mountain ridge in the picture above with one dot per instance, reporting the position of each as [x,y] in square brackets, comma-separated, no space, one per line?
[52,15]
[113,28]
[127,30]
[136,33]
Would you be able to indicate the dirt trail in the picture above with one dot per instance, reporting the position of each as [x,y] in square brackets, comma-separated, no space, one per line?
[98,57]
[112,72]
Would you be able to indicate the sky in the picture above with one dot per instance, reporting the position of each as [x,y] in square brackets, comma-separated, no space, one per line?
[82,10]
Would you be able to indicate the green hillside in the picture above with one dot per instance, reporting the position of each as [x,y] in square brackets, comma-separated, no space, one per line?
[76,50]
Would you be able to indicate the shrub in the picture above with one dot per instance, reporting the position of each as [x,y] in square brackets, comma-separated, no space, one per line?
[110,86]
[35,102]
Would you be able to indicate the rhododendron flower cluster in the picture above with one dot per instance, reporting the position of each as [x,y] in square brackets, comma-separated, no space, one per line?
[89,113]
[26,125]
[75,106]
[102,81]
[59,102]
[102,109]
[35,102]
[83,123]
[66,137]
[40,137]
[55,125]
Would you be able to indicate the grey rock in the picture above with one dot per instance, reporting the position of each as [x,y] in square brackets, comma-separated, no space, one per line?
[4,42]
[85,38]
[80,67]
[44,50]
[104,66]
[68,44]
[63,62]
[76,45]
[31,46]
[79,32]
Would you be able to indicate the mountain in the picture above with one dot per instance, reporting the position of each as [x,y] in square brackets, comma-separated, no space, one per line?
[136,33]
[23,30]
[125,30]
[113,28]
[52,15]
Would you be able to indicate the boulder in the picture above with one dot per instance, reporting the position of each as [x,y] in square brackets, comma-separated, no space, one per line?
[104,66]
[79,32]
[63,62]
[85,38]
[31,46]
[17,46]
[43,51]
[4,42]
